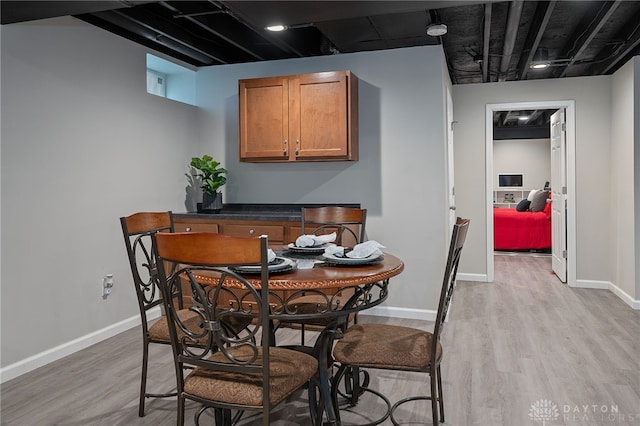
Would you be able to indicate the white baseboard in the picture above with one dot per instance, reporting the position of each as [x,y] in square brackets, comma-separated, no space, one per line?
[472,277]
[43,358]
[409,313]
[601,285]
[607,285]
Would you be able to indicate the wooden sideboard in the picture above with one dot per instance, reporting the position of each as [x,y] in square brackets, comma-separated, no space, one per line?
[280,232]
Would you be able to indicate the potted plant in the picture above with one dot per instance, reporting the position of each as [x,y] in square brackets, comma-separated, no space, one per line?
[213,177]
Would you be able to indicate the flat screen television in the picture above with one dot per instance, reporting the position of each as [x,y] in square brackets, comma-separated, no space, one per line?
[509,180]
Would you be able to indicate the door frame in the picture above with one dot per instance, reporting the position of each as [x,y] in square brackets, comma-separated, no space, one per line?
[569,106]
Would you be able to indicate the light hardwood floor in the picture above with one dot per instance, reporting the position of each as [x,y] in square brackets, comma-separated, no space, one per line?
[511,347]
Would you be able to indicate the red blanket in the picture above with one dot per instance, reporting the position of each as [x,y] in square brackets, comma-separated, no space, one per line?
[514,230]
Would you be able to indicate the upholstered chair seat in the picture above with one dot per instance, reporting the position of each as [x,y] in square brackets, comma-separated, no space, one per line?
[387,347]
[289,370]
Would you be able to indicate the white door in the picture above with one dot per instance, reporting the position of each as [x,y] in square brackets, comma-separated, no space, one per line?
[558,195]
[450,183]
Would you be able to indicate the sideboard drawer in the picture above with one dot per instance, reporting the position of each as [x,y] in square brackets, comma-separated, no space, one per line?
[274,232]
[195,226]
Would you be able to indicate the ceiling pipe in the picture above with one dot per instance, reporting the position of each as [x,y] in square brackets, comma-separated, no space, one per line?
[505,117]
[163,33]
[511,32]
[629,36]
[607,10]
[125,27]
[285,47]
[485,42]
[622,55]
[192,17]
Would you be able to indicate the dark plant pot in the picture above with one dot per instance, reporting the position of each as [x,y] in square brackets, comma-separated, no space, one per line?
[212,202]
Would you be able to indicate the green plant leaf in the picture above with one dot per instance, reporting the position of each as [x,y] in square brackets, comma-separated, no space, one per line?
[210,172]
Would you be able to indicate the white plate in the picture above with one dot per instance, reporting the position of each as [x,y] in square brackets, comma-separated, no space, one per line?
[315,249]
[331,258]
[280,264]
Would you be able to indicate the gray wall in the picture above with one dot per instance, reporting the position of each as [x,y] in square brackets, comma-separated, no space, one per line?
[400,177]
[83,144]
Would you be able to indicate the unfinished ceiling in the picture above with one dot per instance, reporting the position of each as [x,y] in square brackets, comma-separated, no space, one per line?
[485,42]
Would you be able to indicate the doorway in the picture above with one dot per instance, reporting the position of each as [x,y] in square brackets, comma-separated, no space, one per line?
[569,107]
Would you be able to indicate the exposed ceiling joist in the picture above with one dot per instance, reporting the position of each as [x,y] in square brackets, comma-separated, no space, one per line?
[511,32]
[538,27]
[486,41]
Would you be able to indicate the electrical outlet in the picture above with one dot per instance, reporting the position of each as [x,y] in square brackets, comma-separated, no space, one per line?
[107,285]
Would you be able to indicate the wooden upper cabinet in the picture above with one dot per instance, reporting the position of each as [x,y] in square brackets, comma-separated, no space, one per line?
[309,117]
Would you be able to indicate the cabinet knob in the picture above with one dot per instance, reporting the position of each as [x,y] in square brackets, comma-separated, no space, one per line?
[251,232]
[188,229]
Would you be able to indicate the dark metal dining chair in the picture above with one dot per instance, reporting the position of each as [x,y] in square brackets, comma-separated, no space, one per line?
[392,347]
[244,374]
[137,230]
[349,224]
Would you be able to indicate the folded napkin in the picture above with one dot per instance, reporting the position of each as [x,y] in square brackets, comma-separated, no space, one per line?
[334,250]
[311,240]
[366,249]
[360,251]
[271,255]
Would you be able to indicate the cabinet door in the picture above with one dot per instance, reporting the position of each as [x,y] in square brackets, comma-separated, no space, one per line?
[264,118]
[318,115]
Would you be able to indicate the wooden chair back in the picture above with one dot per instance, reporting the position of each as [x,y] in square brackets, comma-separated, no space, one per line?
[348,222]
[137,230]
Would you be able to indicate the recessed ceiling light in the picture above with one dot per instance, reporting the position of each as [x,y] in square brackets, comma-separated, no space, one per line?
[276,28]
[436,30]
[523,117]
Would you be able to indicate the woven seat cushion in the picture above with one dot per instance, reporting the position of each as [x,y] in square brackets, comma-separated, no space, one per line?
[160,333]
[159,330]
[289,370]
[387,347]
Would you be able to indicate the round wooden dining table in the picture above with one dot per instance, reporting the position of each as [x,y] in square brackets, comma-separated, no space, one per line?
[330,292]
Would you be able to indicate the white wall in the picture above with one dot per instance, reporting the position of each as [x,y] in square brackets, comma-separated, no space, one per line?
[400,177]
[529,157]
[592,97]
[82,144]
